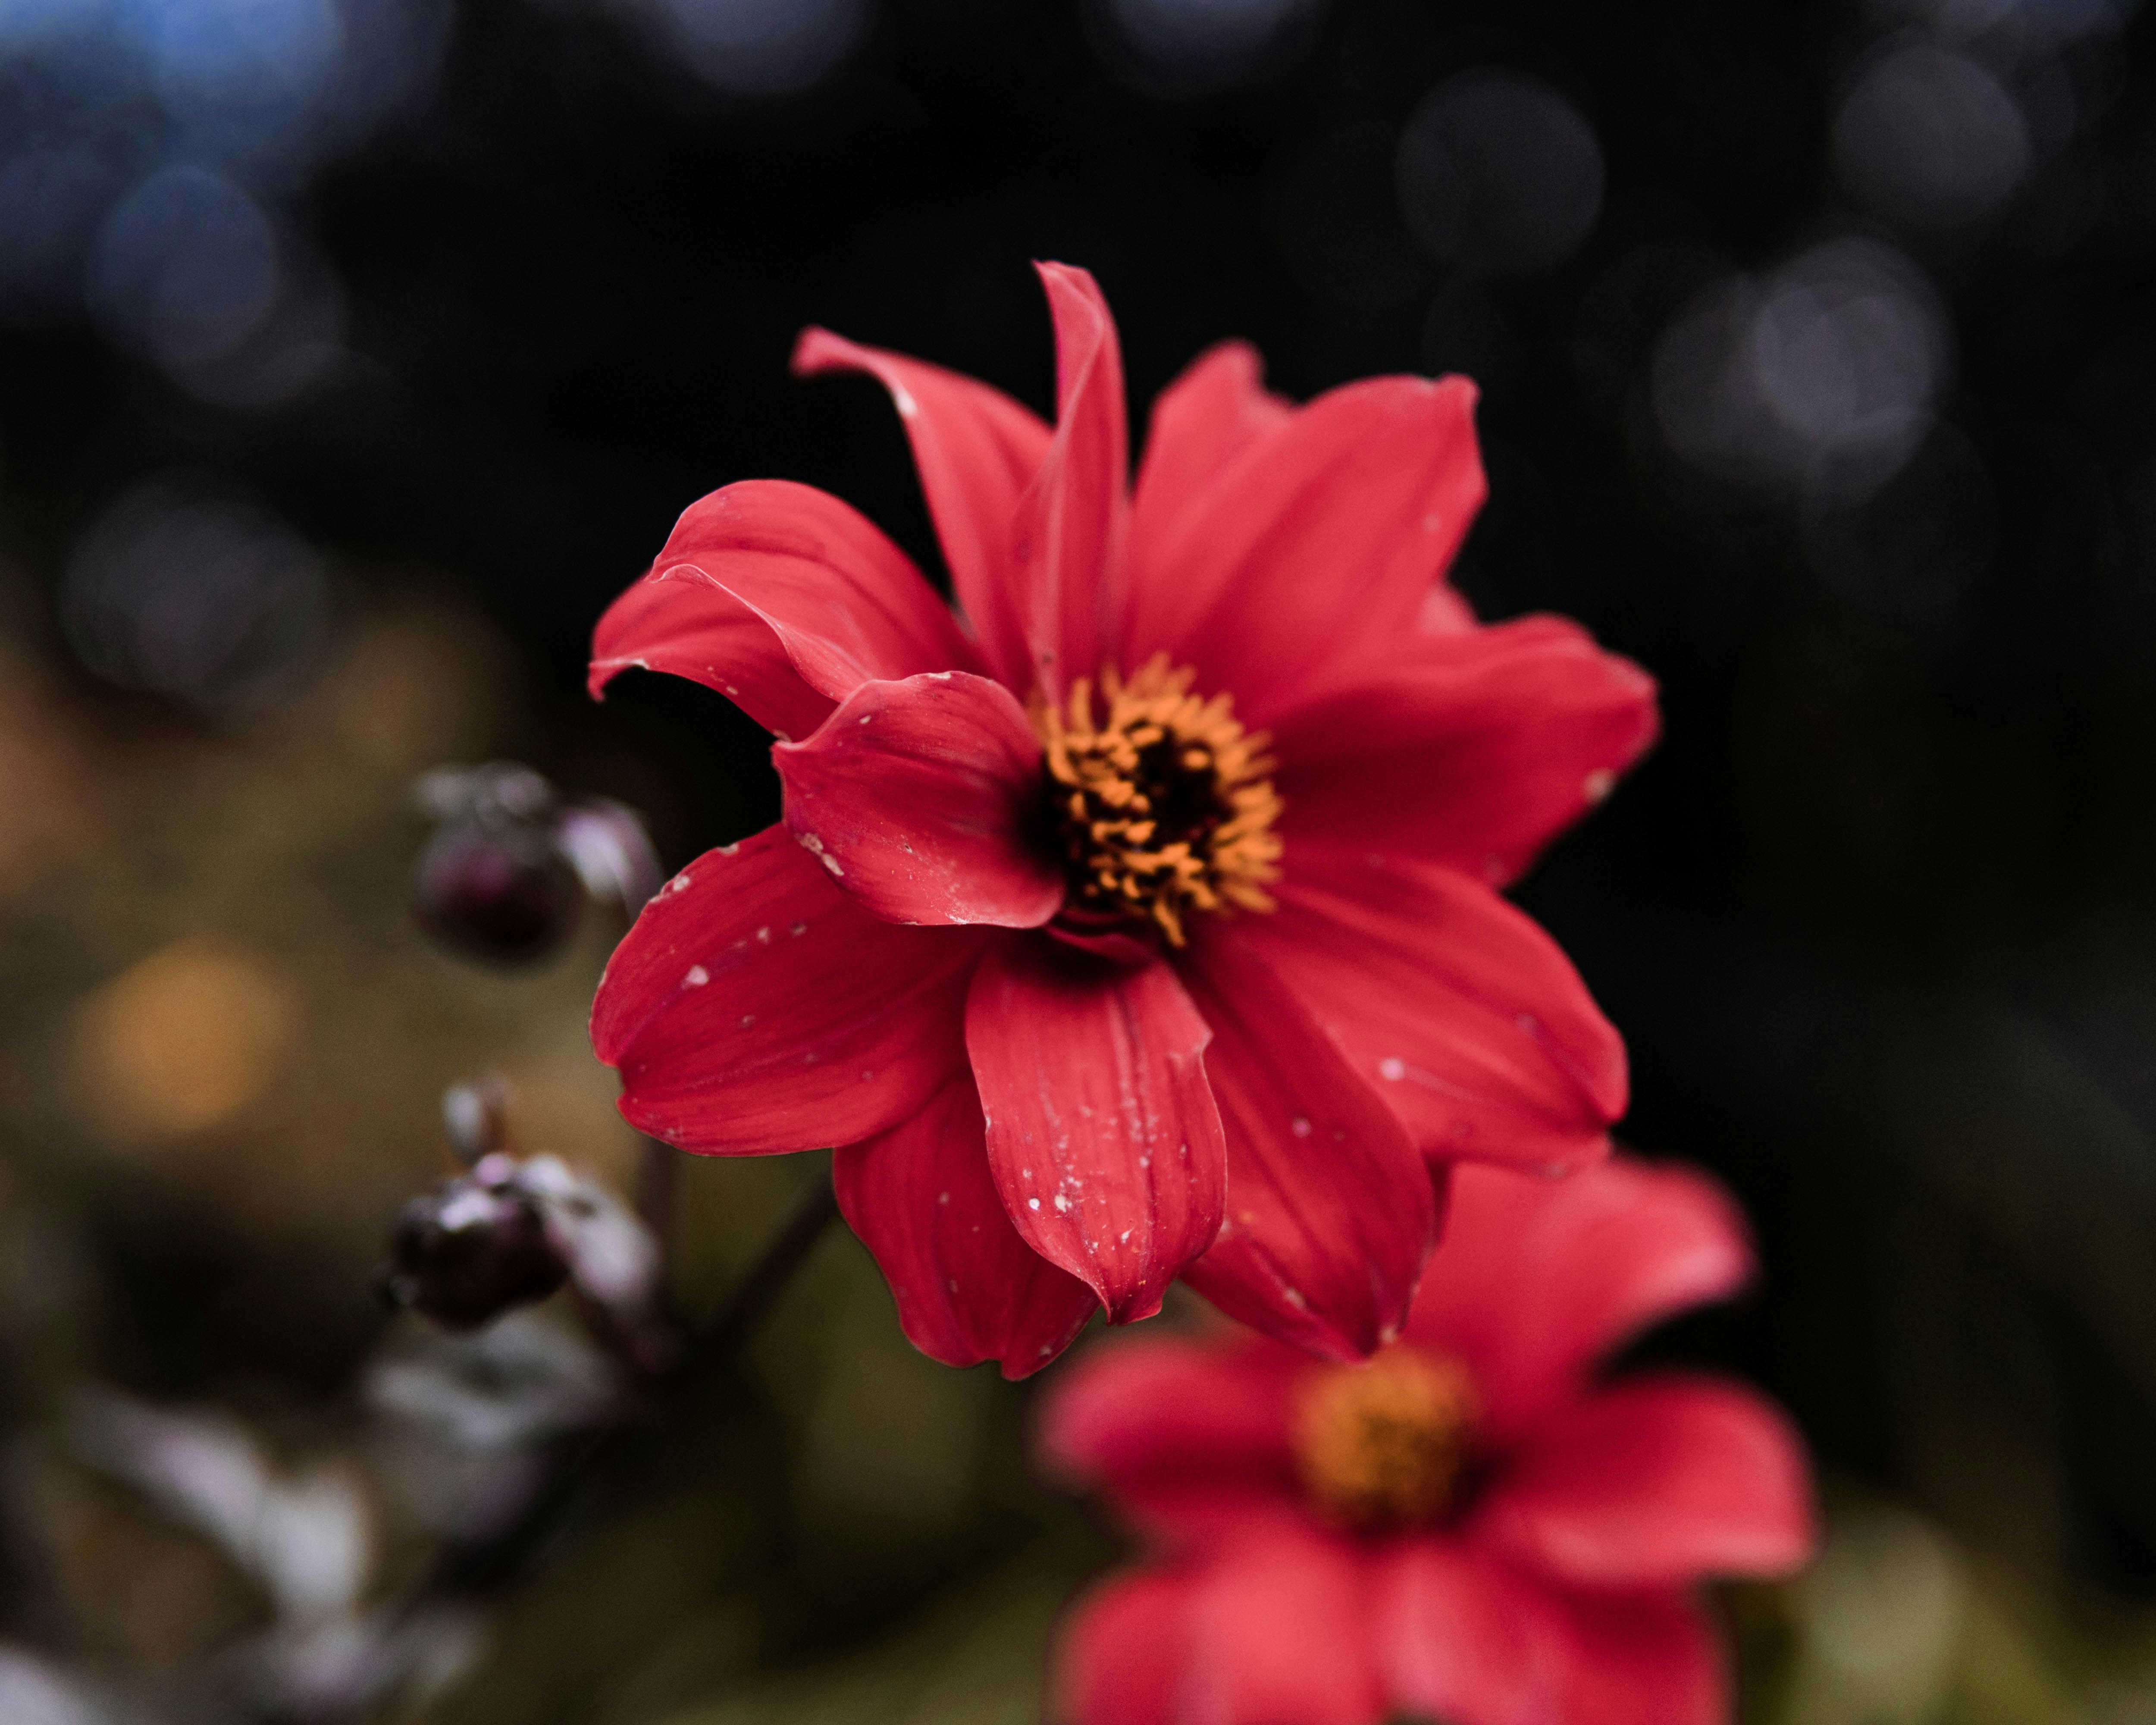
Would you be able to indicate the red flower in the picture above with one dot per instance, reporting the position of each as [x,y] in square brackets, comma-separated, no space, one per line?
[1070,959]
[1467,1528]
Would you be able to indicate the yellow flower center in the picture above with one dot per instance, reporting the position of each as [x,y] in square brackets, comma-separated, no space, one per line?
[1387,1442]
[1162,804]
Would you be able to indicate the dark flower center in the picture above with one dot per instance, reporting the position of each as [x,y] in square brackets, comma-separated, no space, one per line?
[1159,802]
[1387,1443]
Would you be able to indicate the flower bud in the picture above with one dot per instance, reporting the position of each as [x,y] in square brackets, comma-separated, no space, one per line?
[495,891]
[470,1251]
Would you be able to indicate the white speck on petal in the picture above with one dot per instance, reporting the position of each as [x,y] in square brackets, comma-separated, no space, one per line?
[696,978]
[1598,784]
[1033,1203]
[1293,1297]
[747,1018]
[1062,1204]
[1299,1126]
[906,405]
[763,937]
[799,928]
[1393,1069]
[943,1197]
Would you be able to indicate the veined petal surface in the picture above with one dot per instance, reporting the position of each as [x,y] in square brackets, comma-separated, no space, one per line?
[754,1006]
[917,796]
[1208,416]
[967,1287]
[1309,560]
[1330,1211]
[1466,1017]
[1470,750]
[1102,1133]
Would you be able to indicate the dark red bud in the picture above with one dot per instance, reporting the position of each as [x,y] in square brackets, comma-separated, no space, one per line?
[496,891]
[470,1251]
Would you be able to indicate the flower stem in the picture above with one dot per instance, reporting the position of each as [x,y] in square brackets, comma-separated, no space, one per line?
[658,1199]
[784,1254]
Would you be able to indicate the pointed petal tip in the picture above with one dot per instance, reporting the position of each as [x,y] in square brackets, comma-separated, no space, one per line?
[817,350]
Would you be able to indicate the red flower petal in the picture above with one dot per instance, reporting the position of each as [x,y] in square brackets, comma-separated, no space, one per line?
[1466,1639]
[1074,522]
[1464,1014]
[1281,1635]
[916,797]
[1536,1281]
[967,1288]
[754,1006]
[1188,1437]
[1472,750]
[1122,1652]
[976,451]
[1200,421]
[1330,1211]
[1657,1481]
[1102,1135]
[1310,556]
[1463,1638]
[782,598]
[1644,1658]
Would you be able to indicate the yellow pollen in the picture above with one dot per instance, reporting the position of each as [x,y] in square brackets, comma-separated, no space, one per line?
[1386,1443]
[1162,804]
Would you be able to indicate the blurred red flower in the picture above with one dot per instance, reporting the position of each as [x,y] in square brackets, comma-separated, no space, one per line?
[1070,960]
[1468,1526]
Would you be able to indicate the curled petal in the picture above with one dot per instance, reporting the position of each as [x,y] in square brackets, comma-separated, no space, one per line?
[1473,749]
[1075,521]
[967,1288]
[978,451]
[1188,1437]
[1102,1135]
[754,1006]
[1200,421]
[917,796]
[1330,1211]
[1657,1481]
[836,603]
[1465,1014]
[1536,1281]
[1310,558]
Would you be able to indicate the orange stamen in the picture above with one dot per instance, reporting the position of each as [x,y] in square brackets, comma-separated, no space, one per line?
[1163,804]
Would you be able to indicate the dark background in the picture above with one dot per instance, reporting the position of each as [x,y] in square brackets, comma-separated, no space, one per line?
[1820,378]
